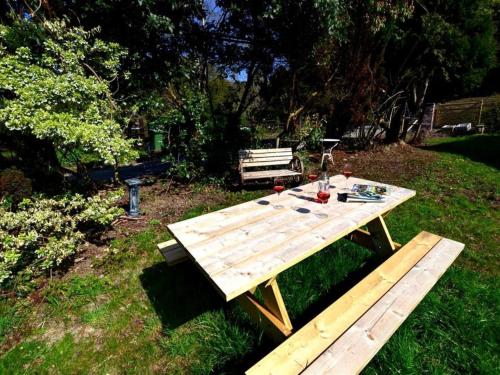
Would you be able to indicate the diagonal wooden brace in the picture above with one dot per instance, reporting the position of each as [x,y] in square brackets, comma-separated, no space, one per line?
[272,315]
[377,238]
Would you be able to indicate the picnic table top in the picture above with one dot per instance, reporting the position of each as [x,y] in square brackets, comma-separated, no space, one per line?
[240,247]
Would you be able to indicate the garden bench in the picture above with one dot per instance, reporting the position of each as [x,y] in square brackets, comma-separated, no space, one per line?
[348,334]
[268,158]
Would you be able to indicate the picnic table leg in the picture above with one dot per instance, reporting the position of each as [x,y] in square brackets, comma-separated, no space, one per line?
[272,315]
[274,301]
[382,241]
[377,238]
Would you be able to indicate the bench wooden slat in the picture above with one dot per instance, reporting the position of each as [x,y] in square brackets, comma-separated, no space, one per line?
[279,161]
[266,158]
[269,174]
[264,150]
[173,252]
[258,157]
[301,349]
[359,344]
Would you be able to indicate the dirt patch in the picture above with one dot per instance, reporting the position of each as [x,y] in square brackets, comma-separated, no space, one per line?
[55,331]
[14,338]
[393,164]
[161,203]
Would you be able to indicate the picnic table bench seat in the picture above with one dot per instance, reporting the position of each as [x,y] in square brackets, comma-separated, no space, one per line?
[260,161]
[173,252]
[347,335]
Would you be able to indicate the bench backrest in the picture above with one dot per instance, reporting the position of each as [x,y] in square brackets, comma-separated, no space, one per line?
[265,157]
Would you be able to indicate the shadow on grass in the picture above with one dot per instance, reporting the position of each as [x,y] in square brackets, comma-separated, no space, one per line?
[240,365]
[480,148]
[178,294]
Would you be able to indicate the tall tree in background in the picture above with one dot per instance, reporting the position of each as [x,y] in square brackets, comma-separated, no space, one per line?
[154,33]
[55,96]
[208,73]
[444,51]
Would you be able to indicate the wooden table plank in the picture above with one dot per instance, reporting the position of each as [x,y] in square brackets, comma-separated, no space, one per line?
[241,246]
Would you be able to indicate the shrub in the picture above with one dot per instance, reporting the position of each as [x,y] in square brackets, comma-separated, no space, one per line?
[44,232]
[311,131]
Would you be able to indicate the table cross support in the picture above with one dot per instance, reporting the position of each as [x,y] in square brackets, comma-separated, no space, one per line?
[272,314]
[377,238]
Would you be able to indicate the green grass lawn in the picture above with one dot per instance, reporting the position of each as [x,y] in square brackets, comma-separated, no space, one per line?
[133,314]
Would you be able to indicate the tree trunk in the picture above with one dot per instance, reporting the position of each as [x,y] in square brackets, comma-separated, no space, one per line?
[39,161]
[392,134]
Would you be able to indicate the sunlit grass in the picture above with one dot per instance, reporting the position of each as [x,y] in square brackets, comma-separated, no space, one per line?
[134,314]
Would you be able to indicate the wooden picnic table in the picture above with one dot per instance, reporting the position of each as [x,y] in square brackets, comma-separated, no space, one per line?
[247,246]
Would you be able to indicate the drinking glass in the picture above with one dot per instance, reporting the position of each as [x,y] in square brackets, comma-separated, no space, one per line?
[278,187]
[347,172]
[323,192]
[312,177]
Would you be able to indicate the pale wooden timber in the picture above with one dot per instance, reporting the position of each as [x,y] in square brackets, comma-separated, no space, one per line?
[255,175]
[250,158]
[268,158]
[264,151]
[242,246]
[266,163]
[364,238]
[270,323]
[359,344]
[173,252]
[301,349]
[272,316]
[274,302]
[381,238]
[261,157]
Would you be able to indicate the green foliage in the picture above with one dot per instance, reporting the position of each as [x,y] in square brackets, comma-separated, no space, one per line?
[153,32]
[311,131]
[44,232]
[181,117]
[460,41]
[54,80]
[340,15]
[191,136]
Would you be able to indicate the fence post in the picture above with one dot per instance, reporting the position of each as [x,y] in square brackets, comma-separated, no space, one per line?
[480,112]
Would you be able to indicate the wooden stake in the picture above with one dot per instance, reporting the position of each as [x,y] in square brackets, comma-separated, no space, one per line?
[480,113]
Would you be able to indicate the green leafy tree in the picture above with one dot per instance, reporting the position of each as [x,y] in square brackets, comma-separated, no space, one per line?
[450,42]
[54,82]
[155,33]
[444,50]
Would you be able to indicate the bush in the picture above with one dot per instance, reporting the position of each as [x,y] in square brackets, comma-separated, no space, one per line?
[311,132]
[44,232]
